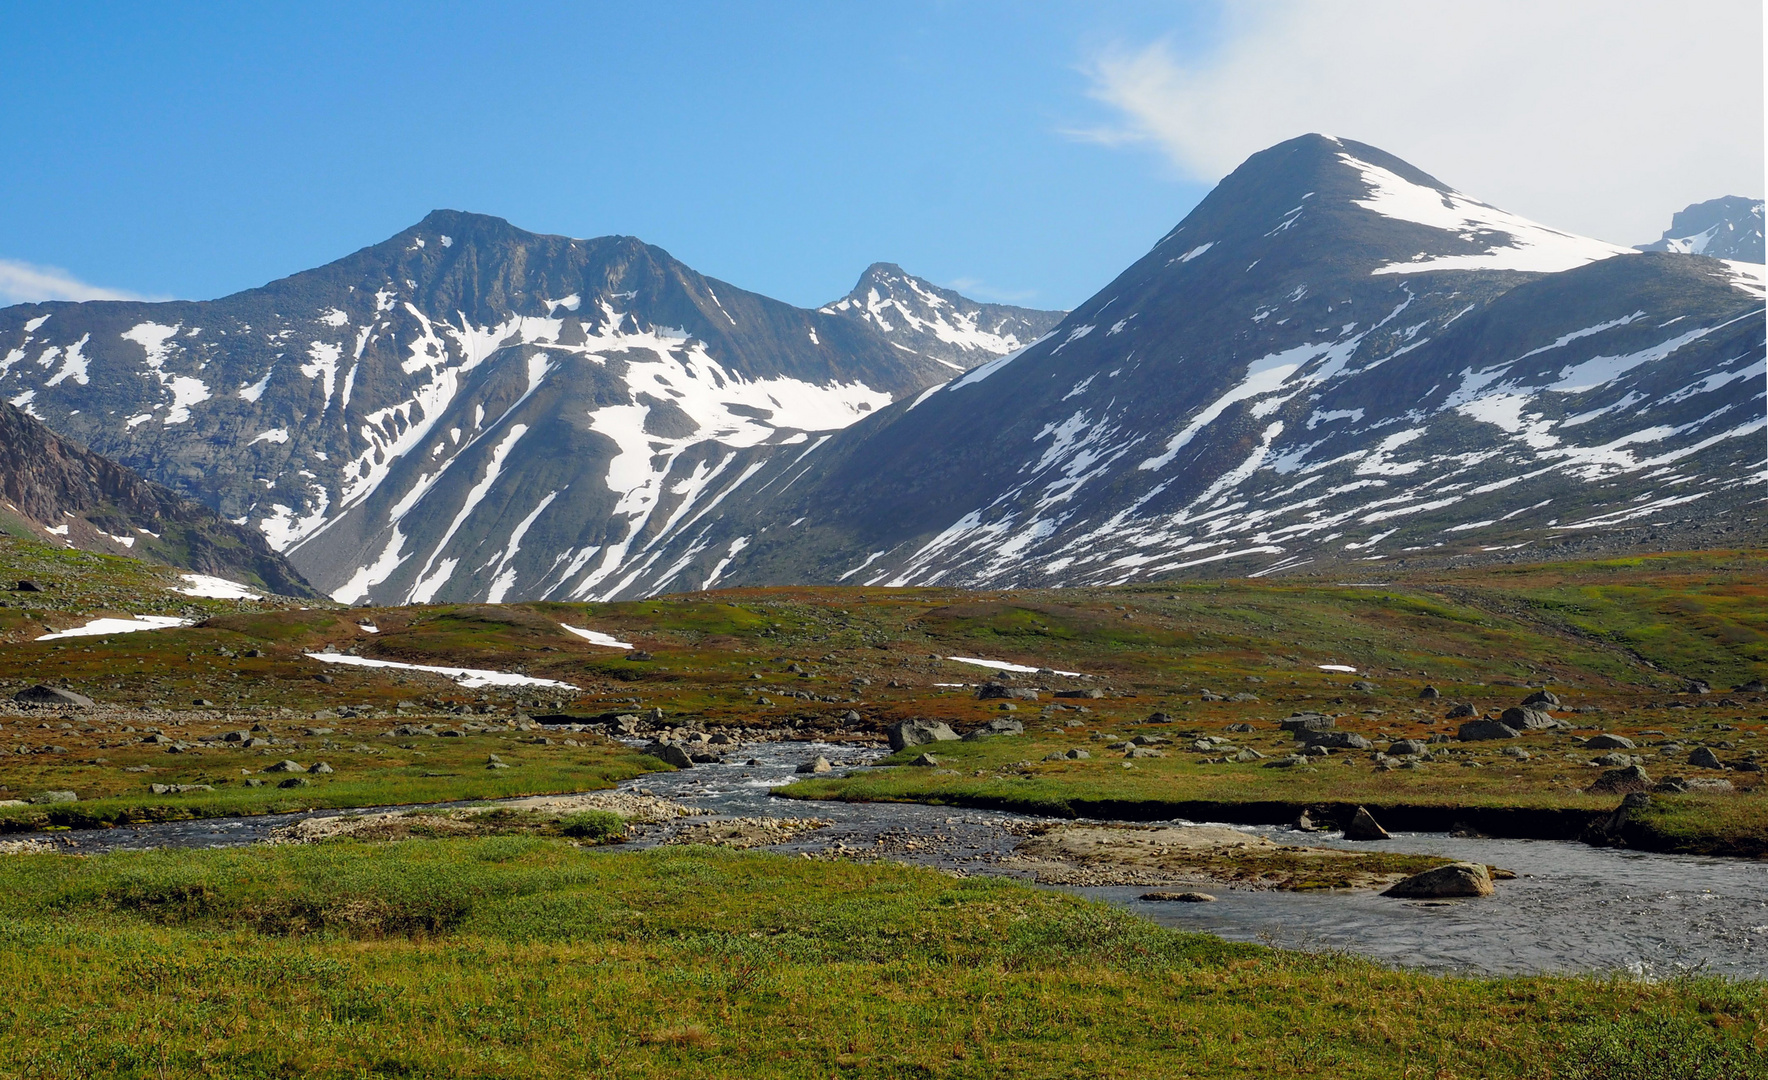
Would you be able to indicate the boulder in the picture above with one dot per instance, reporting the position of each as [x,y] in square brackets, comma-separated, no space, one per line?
[1306,721]
[1606,741]
[928,761]
[1180,897]
[27,585]
[55,797]
[52,695]
[1702,757]
[1090,695]
[672,753]
[1407,748]
[819,764]
[1480,730]
[294,782]
[1708,783]
[1612,761]
[1460,710]
[995,727]
[1455,879]
[1338,740]
[1754,686]
[1077,755]
[323,769]
[1363,686]
[287,766]
[1429,693]
[1542,697]
[1621,781]
[1528,719]
[919,732]
[1248,754]
[1698,686]
[1363,826]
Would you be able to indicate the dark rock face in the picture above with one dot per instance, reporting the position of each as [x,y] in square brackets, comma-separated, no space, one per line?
[1363,826]
[59,492]
[1455,879]
[1285,377]
[1477,730]
[1724,228]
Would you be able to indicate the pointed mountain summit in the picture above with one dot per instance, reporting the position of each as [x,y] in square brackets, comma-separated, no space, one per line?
[1726,228]
[1334,358]
[463,411]
[923,319]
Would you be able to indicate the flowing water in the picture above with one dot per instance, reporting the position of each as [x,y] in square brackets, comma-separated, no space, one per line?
[1570,908]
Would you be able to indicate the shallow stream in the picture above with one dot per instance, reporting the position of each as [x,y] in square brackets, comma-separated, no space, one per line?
[1570,908]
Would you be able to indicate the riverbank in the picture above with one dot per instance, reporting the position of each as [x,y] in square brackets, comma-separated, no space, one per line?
[531,957]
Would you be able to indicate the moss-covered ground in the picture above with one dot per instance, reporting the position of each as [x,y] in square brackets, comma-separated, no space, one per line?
[531,958]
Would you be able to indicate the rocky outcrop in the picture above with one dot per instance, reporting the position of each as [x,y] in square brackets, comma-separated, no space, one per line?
[1455,879]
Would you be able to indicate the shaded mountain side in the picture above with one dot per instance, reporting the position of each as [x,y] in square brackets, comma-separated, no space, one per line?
[56,491]
[1334,359]
[1724,228]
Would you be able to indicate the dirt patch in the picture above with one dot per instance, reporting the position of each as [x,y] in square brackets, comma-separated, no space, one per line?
[539,814]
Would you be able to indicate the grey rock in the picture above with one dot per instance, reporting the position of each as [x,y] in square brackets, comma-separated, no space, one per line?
[322,769]
[1091,695]
[48,797]
[1363,826]
[1407,748]
[919,732]
[1460,710]
[1455,879]
[1306,721]
[1702,757]
[928,761]
[1363,685]
[295,782]
[1078,755]
[819,765]
[1480,730]
[671,753]
[1337,740]
[1615,760]
[52,695]
[1529,719]
[1621,781]
[1179,897]
[1429,693]
[1248,754]
[1542,697]
[1606,741]
[994,728]
[287,766]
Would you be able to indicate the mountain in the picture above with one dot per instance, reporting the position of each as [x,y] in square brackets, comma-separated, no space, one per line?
[54,491]
[1727,228]
[1335,359]
[923,319]
[466,410]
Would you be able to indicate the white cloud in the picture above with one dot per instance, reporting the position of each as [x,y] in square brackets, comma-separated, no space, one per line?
[1603,117]
[24,283]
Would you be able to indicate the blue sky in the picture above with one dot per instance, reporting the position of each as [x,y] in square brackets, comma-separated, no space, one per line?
[782,147]
[1019,151]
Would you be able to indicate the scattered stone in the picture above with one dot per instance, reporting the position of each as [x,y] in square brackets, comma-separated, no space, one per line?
[1516,752]
[322,769]
[178,789]
[1455,879]
[1248,754]
[1245,698]
[928,761]
[995,727]
[1363,685]
[1702,757]
[294,782]
[671,753]
[1180,897]
[27,585]
[819,765]
[1479,730]
[1529,719]
[1363,826]
[48,797]
[1460,711]
[287,766]
[254,782]
[1306,721]
[1429,693]
[1239,729]
[1089,695]
[1078,755]
[203,703]
[1697,686]
[1754,686]
[1338,740]
[52,695]
[1613,760]
[919,732]
[1542,697]
[1606,741]
[638,654]
[1625,781]
[1407,748]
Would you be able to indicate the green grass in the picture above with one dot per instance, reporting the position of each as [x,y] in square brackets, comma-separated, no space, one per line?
[521,957]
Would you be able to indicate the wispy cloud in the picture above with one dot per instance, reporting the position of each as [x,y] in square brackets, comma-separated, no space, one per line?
[978,289]
[24,283]
[1578,113]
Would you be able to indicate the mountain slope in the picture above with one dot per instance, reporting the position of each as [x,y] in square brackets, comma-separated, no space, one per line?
[55,491]
[1726,228]
[1334,358]
[923,319]
[464,411]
